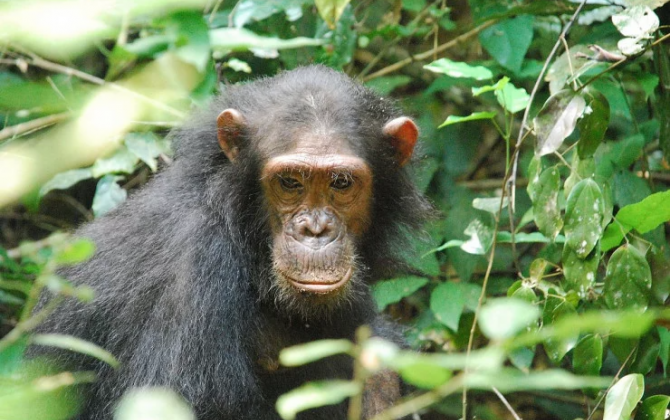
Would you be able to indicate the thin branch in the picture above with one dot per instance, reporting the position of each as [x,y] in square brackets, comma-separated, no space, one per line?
[428,54]
[506,404]
[69,71]
[36,124]
[536,87]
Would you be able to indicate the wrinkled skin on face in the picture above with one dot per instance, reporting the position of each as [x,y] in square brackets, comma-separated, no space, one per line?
[319,206]
[318,196]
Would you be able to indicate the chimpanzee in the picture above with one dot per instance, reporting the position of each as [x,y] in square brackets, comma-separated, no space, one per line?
[286,198]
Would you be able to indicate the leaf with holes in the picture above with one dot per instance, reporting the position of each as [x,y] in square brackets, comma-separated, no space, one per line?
[557,120]
[627,279]
[583,217]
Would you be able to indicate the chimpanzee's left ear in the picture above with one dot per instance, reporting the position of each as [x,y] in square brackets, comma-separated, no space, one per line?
[403,133]
[229,124]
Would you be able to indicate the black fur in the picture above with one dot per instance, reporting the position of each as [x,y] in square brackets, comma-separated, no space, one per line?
[184,294]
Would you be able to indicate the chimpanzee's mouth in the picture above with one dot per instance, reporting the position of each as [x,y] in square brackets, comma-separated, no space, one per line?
[319,286]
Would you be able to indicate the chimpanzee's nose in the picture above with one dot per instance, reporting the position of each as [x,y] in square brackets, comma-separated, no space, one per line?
[316,227]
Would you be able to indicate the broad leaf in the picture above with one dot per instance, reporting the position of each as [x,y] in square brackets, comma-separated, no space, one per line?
[557,308]
[580,273]
[504,317]
[648,213]
[459,69]
[108,195]
[66,179]
[235,39]
[627,280]
[593,124]
[557,120]
[481,238]
[391,291]
[447,303]
[653,408]
[583,217]
[623,397]
[453,119]
[545,204]
[512,98]
[508,41]
[587,359]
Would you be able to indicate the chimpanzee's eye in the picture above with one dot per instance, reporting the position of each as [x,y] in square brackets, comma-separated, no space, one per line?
[289,183]
[341,182]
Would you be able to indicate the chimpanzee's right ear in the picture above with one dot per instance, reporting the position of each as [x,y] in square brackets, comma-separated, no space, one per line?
[230,123]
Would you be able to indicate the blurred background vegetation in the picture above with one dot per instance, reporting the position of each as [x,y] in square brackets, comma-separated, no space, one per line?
[542,292]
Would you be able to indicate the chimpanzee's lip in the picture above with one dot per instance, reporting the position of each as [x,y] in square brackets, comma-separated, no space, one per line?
[319,287]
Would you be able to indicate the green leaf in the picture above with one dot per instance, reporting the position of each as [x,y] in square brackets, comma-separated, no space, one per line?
[425,375]
[555,309]
[387,292]
[459,69]
[664,338]
[122,161]
[147,147]
[587,359]
[447,303]
[580,273]
[508,41]
[153,403]
[583,217]
[510,380]
[504,317]
[613,235]
[108,195]
[581,169]
[256,10]
[528,238]
[476,91]
[75,252]
[11,357]
[648,213]
[557,120]
[331,10]
[190,31]
[481,238]
[385,85]
[315,394]
[512,99]
[653,408]
[545,205]
[534,170]
[491,205]
[593,124]
[306,353]
[453,119]
[75,344]
[237,39]
[623,397]
[341,41]
[627,279]
[65,180]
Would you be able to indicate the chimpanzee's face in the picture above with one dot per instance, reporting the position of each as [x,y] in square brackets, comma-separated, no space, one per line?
[319,207]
